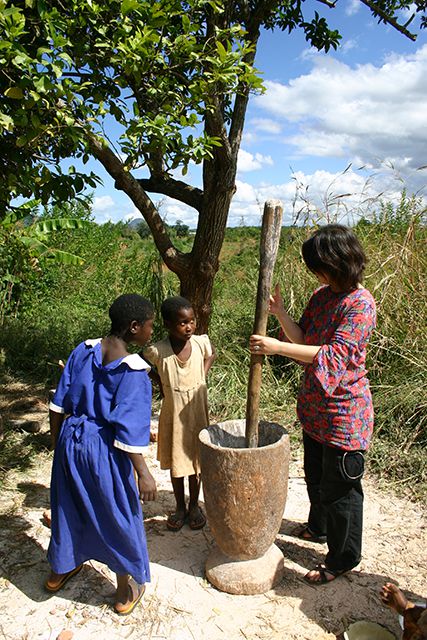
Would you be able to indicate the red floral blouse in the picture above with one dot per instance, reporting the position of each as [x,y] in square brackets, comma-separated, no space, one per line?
[334,401]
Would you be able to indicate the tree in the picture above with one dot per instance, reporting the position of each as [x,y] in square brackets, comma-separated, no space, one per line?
[36,131]
[176,76]
[181,229]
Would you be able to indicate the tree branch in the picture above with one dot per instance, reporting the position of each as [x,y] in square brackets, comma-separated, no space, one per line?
[162,183]
[377,11]
[124,181]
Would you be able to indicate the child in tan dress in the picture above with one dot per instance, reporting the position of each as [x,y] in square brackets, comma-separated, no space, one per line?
[182,361]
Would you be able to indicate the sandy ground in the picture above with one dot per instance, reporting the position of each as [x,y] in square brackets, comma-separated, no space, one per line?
[179,603]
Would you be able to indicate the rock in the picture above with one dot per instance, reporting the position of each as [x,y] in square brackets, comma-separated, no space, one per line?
[66,634]
[30,426]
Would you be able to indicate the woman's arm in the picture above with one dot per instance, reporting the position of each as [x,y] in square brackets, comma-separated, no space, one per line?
[261,345]
[291,329]
[146,483]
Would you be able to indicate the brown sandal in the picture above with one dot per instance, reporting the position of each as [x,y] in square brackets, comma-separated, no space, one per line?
[53,588]
[323,570]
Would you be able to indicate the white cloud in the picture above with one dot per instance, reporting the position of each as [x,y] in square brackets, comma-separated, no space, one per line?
[266,125]
[102,203]
[325,196]
[352,7]
[349,45]
[251,162]
[132,215]
[373,112]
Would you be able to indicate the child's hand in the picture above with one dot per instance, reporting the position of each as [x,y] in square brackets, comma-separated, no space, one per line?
[147,487]
[276,301]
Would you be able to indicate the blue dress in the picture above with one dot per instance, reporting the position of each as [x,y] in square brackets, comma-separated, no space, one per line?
[96,512]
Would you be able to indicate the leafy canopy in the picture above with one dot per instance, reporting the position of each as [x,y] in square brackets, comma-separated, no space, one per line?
[174,75]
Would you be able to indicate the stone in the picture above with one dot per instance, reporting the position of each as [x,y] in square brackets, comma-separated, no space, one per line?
[245,577]
[65,634]
[29,426]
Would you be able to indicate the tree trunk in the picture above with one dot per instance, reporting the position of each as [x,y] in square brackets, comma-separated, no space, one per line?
[198,279]
[196,270]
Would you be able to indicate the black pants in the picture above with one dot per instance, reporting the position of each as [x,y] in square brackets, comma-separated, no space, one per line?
[334,487]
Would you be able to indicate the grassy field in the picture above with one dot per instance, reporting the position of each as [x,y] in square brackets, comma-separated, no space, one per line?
[57,306]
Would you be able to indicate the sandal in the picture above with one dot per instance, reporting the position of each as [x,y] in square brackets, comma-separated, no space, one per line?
[305,533]
[198,521]
[53,588]
[133,602]
[175,522]
[323,572]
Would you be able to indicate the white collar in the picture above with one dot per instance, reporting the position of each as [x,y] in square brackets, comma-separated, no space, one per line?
[133,360]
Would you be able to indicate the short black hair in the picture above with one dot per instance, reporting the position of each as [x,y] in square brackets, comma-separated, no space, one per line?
[171,306]
[128,307]
[335,251]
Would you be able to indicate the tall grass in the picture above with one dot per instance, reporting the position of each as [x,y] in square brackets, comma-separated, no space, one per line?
[65,306]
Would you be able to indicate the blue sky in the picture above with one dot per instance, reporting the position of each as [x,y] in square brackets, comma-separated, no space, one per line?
[322,118]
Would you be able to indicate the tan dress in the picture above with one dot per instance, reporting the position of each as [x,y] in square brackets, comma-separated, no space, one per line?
[184,411]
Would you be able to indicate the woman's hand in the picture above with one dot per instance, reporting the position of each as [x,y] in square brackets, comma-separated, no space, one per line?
[263,346]
[147,487]
[276,302]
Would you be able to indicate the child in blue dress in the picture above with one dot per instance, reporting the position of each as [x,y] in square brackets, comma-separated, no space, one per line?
[100,424]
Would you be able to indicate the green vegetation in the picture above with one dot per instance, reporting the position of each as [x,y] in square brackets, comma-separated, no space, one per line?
[61,304]
[174,75]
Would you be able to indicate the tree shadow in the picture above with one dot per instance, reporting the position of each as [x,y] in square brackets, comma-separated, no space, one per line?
[334,606]
[23,563]
[37,496]
[185,550]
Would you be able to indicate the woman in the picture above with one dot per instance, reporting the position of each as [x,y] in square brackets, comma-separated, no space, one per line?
[334,401]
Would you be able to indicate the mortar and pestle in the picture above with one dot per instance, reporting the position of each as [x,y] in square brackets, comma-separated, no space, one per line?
[245,465]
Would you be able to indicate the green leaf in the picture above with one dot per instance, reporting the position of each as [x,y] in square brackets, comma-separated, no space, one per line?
[63,257]
[221,51]
[15,93]
[6,122]
[129,5]
[59,224]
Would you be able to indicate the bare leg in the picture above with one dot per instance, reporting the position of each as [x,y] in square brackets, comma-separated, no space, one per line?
[197,519]
[194,487]
[176,520]
[122,591]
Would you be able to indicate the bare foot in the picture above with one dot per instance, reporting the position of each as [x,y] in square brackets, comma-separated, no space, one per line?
[46,518]
[392,596]
[126,602]
[196,518]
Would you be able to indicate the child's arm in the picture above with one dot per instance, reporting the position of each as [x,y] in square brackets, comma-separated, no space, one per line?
[154,377]
[146,483]
[55,422]
[209,360]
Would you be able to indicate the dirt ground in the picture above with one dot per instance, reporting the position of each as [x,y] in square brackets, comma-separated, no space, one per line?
[179,603]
